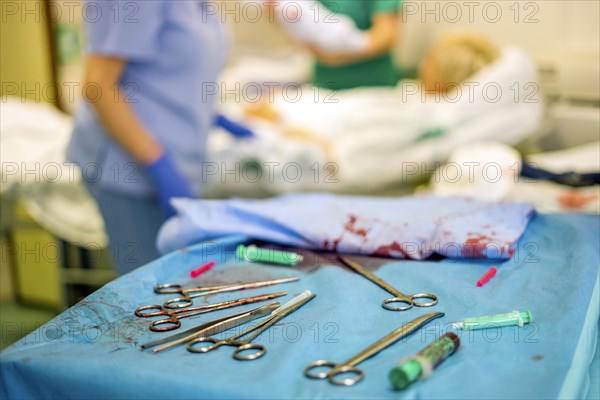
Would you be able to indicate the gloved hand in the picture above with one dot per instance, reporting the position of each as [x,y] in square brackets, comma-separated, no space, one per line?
[236,129]
[169,182]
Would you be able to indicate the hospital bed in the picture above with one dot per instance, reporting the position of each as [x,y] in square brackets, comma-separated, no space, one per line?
[362,130]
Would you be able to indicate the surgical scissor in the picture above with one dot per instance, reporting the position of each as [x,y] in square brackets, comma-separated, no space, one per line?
[399,297]
[188,294]
[349,366]
[246,344]
[172,320]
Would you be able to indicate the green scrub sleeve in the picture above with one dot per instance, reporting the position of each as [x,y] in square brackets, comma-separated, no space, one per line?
[386,6]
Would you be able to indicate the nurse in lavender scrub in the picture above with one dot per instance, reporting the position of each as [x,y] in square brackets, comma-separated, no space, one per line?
[140,135]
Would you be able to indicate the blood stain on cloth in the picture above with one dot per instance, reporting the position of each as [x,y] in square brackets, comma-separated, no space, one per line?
[113,324]
[389,250]
[351,227]
[574,200]
[331,245]
[476,247]
[537,357]
[131,340]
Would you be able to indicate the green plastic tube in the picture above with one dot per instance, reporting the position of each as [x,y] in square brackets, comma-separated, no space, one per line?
[253,253]
[421,365]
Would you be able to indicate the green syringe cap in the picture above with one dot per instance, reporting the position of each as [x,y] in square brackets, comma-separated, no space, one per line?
[240,252]
[526,316]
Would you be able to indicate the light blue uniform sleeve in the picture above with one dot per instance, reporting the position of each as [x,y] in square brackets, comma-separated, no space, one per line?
[124,28]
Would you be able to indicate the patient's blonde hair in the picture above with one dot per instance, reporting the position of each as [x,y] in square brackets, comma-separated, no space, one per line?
[454,58]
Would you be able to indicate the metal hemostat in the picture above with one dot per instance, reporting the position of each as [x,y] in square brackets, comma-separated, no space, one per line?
[211,327]
[188,294]
[172,320]
[240,353]
[349,366]
[399,297]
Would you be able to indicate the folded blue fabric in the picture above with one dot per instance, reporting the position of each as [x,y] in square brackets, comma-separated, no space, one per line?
[410,227]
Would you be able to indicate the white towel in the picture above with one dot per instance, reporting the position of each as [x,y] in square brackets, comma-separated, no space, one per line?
[312,23]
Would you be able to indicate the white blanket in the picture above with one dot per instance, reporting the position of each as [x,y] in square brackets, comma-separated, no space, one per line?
[379,135]
[33,140]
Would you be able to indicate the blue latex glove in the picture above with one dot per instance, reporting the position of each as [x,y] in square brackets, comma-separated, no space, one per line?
[236,129]
[169,182]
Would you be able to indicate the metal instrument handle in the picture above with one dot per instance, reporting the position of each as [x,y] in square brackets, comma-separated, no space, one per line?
[241,353]
[216,343]
[179,302]
[168,288]
[319,364]
[410,302]
[164,325]
[186,299]
[358,376]
[349,365]
[211,327]
[386,304]
[390,339]
[367,274]
[429,296]
[160,311]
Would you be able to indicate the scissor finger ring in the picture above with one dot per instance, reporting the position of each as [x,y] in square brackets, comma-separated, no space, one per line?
[179,302]
[346,369]
[239,355]
[169,325]
[204,349]
[430,296]
[409,304]
[319,375]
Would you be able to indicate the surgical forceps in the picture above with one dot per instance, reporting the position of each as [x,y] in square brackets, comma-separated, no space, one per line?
[172,320]
[399,297]
[188,294]
[211,327]
[349,366]
[246,344]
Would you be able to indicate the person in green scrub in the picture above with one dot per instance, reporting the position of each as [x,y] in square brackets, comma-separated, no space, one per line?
[374,65]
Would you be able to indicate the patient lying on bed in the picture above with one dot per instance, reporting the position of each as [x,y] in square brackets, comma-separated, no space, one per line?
[451,61]
[468,90]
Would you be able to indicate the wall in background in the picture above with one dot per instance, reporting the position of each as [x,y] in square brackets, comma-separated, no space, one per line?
[7,292]
[25,57]
[563,36]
